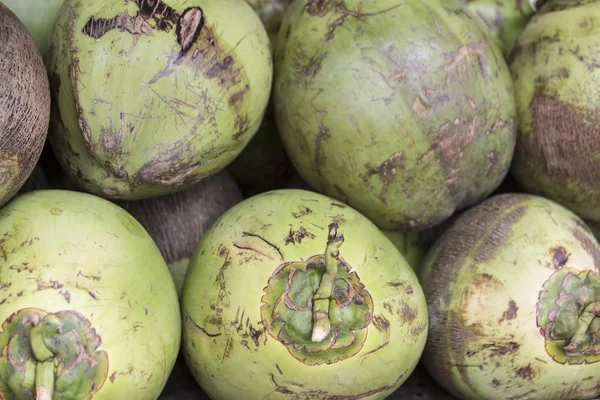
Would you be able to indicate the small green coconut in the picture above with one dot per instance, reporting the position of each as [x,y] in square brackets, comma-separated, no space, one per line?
[412,246]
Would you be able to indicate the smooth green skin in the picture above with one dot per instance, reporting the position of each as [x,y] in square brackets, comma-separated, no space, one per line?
[174,130]
[565,167]
[226,369]
[263,164]
[72,239]
[371,117]
[505,19]
[470,336]
[38,16]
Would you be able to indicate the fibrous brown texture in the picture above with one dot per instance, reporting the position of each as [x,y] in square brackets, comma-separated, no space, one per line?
[177,221]
[554,65]
[24,104]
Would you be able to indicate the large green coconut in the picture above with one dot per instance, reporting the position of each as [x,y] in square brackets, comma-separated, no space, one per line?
[152,96]
[24,104]
[513,293]
[294,295]
[403,110]
[38,16]
[87,306]
[557,81]
[505,19]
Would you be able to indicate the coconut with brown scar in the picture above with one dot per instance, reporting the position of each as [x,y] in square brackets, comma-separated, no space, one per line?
[513,288]
[403,110]
[185,85]
[556,73]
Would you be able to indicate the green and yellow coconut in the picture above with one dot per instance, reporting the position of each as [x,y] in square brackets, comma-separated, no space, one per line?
[292,294]
[88,309]
[513,294]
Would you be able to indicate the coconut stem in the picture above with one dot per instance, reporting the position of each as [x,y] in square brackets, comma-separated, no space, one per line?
[44,380]
[321,299]
[44,369]
[591,311]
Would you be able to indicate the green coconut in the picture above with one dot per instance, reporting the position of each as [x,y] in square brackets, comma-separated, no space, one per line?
[513,294]
[152,96]
[403,110]
[505,19]
[178,221]
[38,16]
[24,104]
[306,297]
[87,305]
[411,245]
[555,69]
